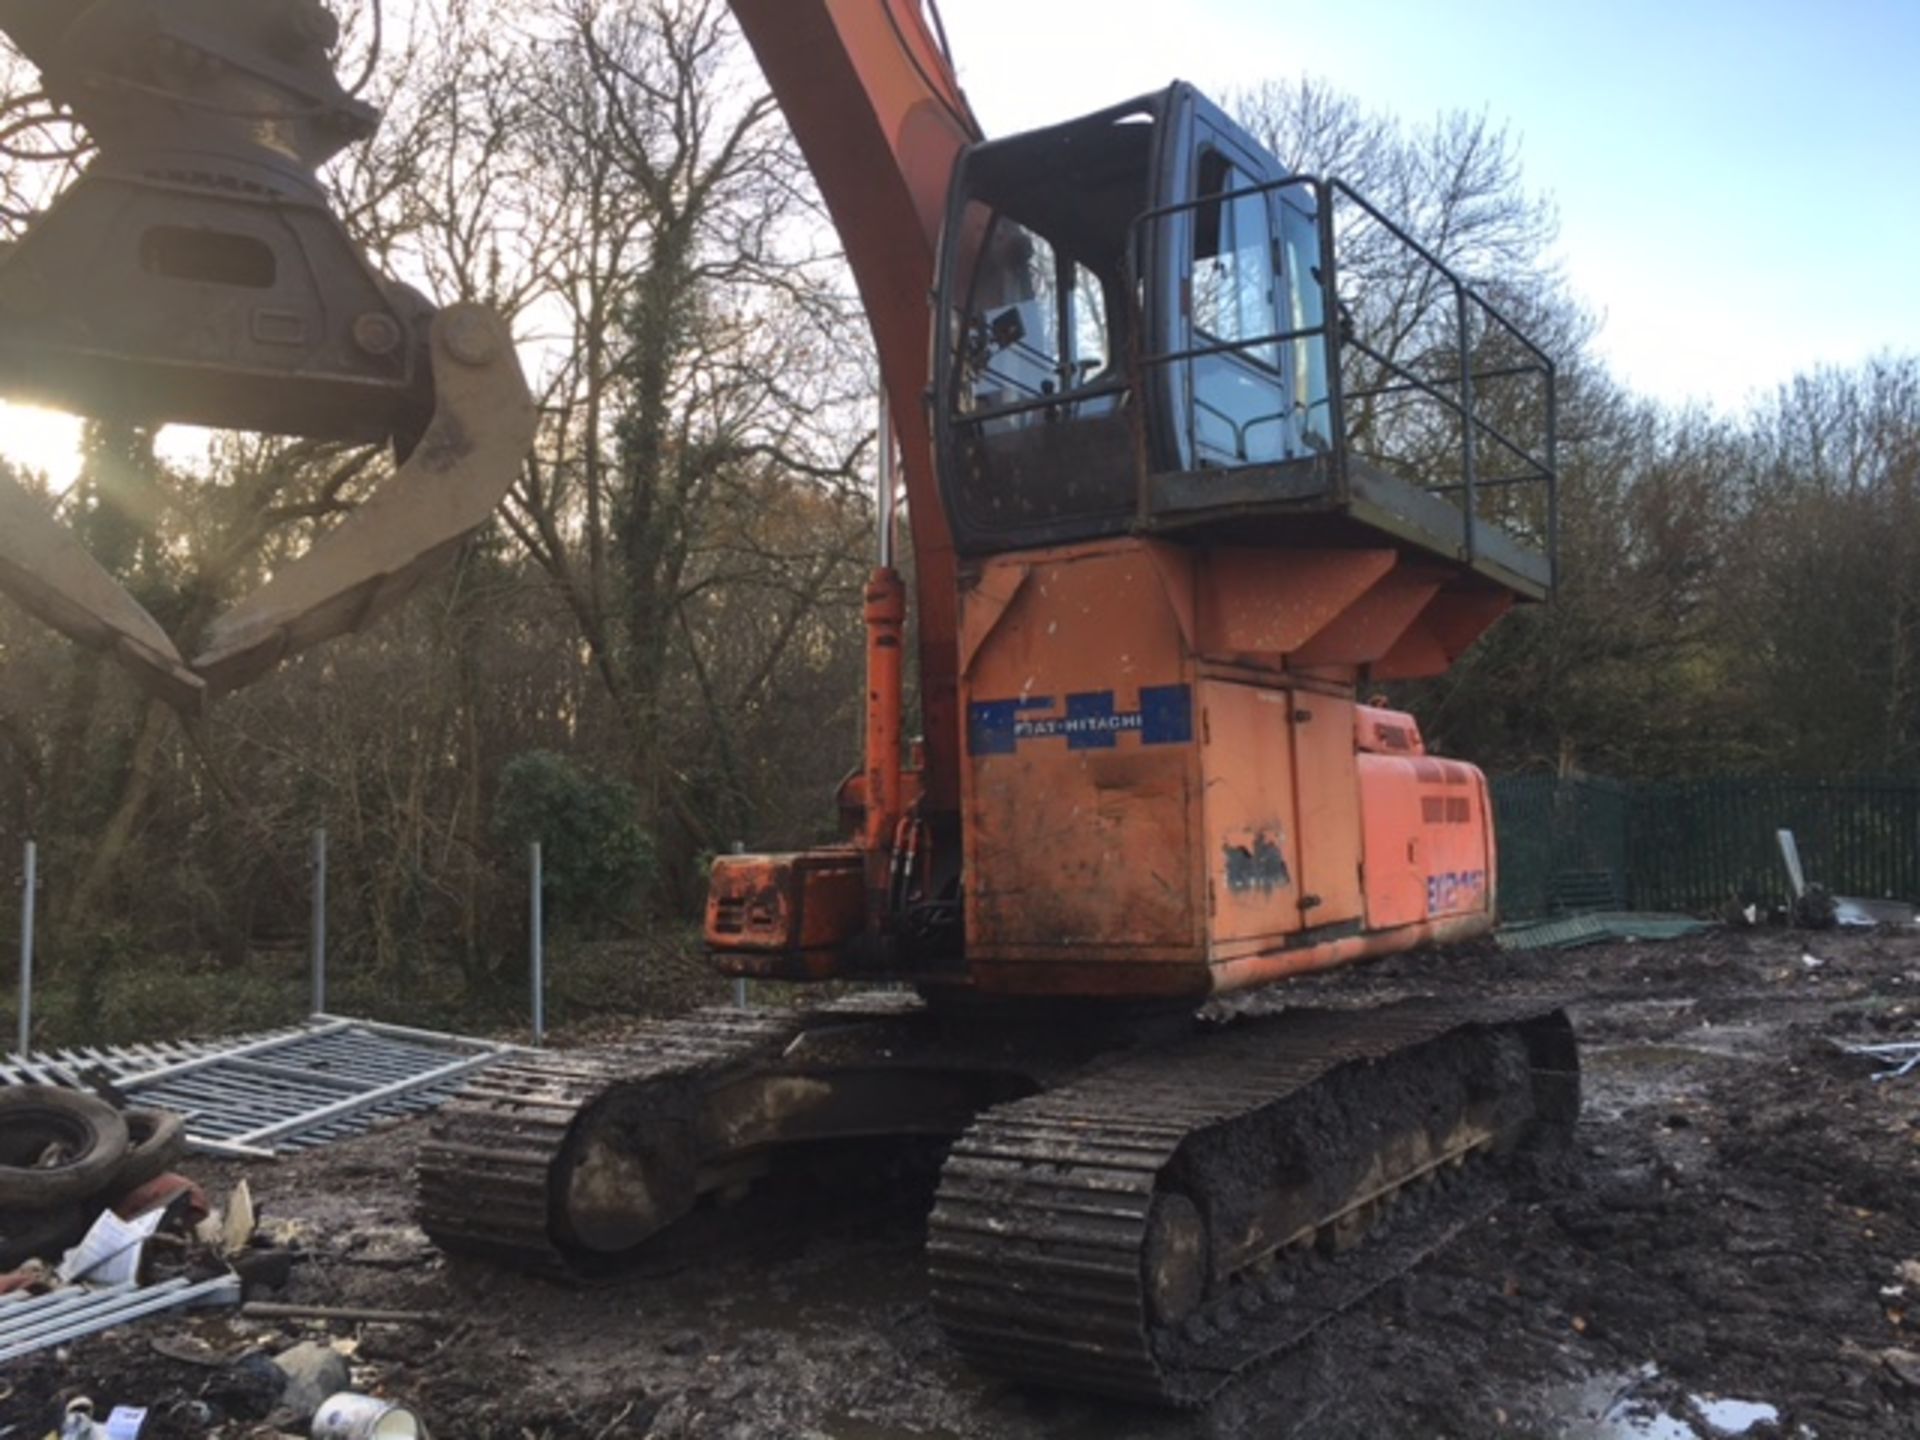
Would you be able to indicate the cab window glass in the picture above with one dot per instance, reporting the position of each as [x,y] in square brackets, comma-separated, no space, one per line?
[1015,348]
[1238,396]
[1042,434]
[1233,259]
[1092,340]
[1307,357]
[1027,337]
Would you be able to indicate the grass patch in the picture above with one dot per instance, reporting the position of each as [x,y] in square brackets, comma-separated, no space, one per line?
[110,994]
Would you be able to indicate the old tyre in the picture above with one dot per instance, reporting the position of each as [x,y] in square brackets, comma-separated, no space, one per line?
[156,1141]
[56,1146]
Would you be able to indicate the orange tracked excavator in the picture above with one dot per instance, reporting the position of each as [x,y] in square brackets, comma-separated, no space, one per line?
[1175,502]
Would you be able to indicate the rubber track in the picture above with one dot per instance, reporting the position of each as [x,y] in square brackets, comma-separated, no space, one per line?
[1034,1245]
[489,1175]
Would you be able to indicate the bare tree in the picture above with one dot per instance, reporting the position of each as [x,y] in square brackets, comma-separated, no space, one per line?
[714,351]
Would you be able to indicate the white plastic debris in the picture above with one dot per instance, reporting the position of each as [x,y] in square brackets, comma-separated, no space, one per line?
[237,1228]
[125,1423]
[110,1252]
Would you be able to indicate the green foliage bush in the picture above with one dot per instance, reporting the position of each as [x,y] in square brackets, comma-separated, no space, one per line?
[596,855]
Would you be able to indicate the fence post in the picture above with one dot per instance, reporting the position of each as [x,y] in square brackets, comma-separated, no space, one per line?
[740,981]
[29,883]
[536,944]
[319,927]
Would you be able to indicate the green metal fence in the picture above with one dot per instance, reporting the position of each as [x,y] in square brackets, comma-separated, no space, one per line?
[1563,844]
[1590,843]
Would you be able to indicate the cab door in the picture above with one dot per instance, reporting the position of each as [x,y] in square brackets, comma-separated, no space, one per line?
[1236,394]
[1234,263]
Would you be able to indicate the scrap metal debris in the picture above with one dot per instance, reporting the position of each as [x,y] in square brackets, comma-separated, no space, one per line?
[40,1321]
[1817,908]
[73,1168]
[64,1157]
[1897,1059]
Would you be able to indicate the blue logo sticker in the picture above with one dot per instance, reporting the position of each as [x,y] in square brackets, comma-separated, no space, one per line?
[1456,890]
[1090,722]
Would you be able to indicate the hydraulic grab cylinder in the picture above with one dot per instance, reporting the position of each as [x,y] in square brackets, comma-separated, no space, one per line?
[886,615]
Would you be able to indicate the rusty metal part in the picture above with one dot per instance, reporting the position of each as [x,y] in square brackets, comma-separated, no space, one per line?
[785,916]
[1118,1234]
[352,1314]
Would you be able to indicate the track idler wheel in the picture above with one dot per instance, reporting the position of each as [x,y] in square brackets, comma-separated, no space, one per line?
[630,1170]
[1175,1258]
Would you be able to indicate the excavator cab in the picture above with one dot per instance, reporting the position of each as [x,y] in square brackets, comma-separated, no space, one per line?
[1144,328]
[1206,480]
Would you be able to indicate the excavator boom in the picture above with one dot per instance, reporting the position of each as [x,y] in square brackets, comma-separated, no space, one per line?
[872,98]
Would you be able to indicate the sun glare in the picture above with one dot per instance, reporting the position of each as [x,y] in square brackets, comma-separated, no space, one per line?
[42,440]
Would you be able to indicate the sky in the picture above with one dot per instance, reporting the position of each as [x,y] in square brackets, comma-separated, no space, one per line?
[1738,184]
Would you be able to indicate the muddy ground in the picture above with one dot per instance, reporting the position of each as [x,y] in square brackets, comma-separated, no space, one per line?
[1733,1229]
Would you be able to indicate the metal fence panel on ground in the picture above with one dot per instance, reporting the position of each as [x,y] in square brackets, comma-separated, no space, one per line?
[38,1322]
[268,1094]
[1589,843]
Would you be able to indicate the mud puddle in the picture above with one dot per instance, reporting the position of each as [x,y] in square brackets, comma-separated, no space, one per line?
[849,1427]
[1636,1406]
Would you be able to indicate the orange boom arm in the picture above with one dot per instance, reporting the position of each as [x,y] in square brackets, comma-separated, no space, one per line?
[880,117]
